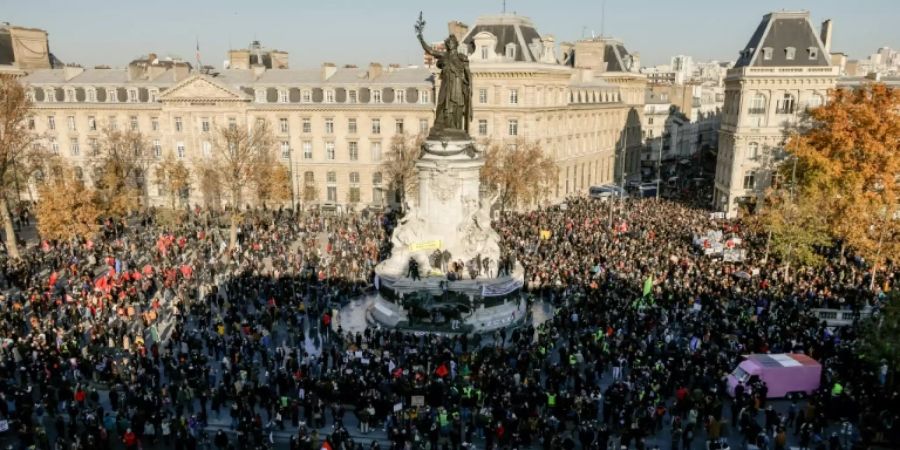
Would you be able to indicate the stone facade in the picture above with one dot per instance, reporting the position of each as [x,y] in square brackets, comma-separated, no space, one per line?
[776,78]
[334,124]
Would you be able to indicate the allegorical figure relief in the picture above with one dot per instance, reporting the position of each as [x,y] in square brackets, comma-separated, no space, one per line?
[454,103]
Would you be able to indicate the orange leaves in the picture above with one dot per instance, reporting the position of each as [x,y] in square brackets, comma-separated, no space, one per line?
[520,173]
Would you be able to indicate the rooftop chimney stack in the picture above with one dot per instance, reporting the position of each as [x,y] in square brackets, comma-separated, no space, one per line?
[826,35]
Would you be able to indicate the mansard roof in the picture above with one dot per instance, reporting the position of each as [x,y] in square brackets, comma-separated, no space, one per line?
[509,29]
[779,31]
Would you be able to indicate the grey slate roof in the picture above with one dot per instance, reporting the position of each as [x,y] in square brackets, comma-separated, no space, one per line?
[778,31]
[508,28]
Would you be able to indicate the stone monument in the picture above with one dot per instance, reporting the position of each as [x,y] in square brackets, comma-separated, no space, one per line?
[450,224]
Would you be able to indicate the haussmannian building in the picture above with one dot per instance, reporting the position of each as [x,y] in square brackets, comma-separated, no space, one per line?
[334,125]
[784,69]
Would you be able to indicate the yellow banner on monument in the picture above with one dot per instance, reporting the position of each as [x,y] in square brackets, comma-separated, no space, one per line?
[425,245]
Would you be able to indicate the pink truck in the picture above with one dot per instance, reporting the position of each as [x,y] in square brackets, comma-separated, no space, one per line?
[783,373]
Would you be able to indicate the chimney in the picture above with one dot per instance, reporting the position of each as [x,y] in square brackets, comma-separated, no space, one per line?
[636,62]
[826,35]
[152,58]
[374,71]
[279,59]
[180,71]
[457,29]
[548,54]
[70,72]
[328,70]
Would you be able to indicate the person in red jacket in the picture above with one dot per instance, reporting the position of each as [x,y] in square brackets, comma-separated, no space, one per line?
[130,440]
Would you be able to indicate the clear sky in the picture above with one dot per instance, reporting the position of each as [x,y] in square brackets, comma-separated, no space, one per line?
[113,32]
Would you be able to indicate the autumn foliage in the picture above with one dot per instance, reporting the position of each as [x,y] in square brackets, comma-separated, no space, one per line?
[67,209]
[519,174]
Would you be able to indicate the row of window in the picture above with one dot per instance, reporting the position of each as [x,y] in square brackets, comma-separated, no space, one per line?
[790,53]
[111,95]
[331,96]
[787,104]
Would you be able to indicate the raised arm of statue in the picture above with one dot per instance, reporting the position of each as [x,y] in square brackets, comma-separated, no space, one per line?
[420,25]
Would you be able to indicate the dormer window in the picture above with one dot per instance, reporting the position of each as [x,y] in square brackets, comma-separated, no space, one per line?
[260,95]
[306,96]
[111,96]
[30,95]
[511,51]
[484,52]
[329,96]
[813,52]
[282,96]
[50,95]
[91,94]
[132,96]
[376,96]
[70,95]
[352,96]
[399,96]
[767,53]
[790,53]
[424,97]
[153,95]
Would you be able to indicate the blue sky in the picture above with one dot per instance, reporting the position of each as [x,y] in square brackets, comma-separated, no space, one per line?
[114,32]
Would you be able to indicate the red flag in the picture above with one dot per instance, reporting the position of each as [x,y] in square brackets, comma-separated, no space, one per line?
[442,371]
[53,277]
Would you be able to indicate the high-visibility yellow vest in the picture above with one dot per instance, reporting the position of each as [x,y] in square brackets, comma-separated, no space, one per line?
[551,400]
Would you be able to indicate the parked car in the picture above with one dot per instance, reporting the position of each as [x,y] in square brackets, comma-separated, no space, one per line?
[606,191]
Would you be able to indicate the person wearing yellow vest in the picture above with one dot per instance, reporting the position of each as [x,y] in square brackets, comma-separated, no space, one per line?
[551,400]
[837,389]
[573,360]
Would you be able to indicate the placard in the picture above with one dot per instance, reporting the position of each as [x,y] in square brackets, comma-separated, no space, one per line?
[418,400]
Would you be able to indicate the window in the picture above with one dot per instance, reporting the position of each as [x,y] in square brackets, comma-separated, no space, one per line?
[307,125]
[309,178]
[73,147]
[513,96]
[482,127]
[482,96]
[132,96]
[260,95]
[513,127]
[207,149]
[285,150]
[376,179]
[95,146]
[154,123]
[376,126]
[511,51]
[153,94]
[813,52]
[758,105]
[204,124]
[750,180]
[767,53]
[157,148]
[134,123]
[398,126]
[423,126]
[753,150]
[351,126]
[790,53]
[232,123]
[331,180]
[329,126]
[112,96]
[329,96]
[399,96]
[376,151]
[353,150]
[376,96]
[329,150]
[282,96]
[31,124]
[283,125]
[91,95]
[354,187]
[70,122]
[70,95]
[815,101]
[307,150]
[179,148]
[30,95]
[113,123]
[351,96]
[785,105]
[51,123]
[306,96]
[425,97]
[178,125]
[332,193]
[484,52]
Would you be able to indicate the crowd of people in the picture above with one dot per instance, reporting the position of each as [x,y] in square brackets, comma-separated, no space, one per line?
[162,334]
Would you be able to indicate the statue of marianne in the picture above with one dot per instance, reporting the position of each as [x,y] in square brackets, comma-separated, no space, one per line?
[454,103]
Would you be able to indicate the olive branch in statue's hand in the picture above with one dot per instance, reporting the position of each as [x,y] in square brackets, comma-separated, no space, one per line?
[420,24]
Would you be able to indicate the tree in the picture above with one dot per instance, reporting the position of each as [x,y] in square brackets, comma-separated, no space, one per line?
[209,183]
[242,159]
[15,145]
[66,208]
[173,177]
[849,158]
[273,182]
[880,336]
[519,174]
[796,228]
[120,167]
[399,165]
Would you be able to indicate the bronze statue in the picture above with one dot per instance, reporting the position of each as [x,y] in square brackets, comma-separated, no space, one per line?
[454,102]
